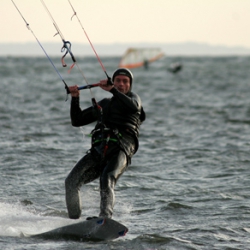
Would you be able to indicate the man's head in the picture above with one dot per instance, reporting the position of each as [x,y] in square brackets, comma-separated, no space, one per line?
[123,79]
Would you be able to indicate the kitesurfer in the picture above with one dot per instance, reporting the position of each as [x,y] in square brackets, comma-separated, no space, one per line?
[175,67]
[114,141]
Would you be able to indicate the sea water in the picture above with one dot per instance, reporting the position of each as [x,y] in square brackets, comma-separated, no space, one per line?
[188,184]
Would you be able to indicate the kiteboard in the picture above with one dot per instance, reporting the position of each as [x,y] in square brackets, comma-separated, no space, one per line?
[94,229]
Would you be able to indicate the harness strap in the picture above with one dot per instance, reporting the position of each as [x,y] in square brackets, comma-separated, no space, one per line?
[106,138]
[110,139]
[106,145]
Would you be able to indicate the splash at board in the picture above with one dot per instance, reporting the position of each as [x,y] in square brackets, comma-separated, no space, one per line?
[94,229]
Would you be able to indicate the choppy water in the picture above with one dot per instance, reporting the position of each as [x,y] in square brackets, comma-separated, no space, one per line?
[188,185]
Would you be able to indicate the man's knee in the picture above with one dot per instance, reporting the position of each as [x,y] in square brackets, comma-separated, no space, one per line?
[68,183]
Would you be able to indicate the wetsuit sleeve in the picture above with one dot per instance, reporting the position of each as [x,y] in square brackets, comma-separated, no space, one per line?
[80,117]
[130,103]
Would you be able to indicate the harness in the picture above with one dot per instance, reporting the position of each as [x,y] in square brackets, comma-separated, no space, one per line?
[101,133]
[105,135]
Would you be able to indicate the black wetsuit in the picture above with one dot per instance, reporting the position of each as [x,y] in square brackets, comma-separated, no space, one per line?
[114,142]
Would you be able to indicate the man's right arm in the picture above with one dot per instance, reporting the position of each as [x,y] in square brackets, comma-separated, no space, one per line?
[80,117]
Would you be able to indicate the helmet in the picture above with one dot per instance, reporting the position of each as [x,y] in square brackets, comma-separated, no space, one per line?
[124,72]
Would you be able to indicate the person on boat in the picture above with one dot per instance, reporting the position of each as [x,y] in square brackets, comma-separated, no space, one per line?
[145,64]
[114,141]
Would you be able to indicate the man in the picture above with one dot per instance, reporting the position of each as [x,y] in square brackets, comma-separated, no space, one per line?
[114,141]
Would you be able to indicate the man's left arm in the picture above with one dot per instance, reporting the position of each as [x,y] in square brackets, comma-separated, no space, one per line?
[131,102]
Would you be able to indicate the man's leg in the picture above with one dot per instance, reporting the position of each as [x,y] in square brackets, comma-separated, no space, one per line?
[114,169]
[84,172]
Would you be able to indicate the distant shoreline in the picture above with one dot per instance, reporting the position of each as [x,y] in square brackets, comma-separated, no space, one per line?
[118,49]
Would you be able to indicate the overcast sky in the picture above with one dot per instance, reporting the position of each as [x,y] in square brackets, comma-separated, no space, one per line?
[216,22]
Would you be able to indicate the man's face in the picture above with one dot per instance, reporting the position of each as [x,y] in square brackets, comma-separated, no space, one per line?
[122,83]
